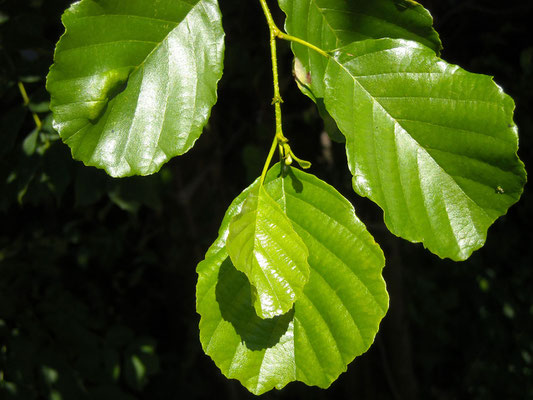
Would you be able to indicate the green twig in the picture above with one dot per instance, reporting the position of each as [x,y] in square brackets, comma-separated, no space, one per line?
[26,100]
[280,141]
[277,100]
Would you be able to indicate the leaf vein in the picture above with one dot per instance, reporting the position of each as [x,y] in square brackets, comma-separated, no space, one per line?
[335,256]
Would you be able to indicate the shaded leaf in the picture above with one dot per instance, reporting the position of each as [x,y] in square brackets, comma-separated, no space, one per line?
[330,24]
[264,246]
[29,145]
[303,80]
[133,82]
[433,145]
[334,320]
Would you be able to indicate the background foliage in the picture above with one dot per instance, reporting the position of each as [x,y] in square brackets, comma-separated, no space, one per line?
[97,281]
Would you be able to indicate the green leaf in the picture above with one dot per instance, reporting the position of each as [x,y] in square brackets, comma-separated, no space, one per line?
[263,244]
[334,320]
[29,145]
[330,24]
[433,145]
[134,81]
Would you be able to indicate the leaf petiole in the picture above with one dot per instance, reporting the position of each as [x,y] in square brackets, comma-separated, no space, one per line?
[290,38]
[282,35]
[269,159]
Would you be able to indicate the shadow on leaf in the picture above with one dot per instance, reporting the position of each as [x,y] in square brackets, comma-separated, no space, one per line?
[286,171]
[234,297]
[112,84]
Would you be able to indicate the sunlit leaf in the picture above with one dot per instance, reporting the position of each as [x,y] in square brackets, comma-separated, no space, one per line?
[264,246]
[334,320]
[133,81]
[433,145]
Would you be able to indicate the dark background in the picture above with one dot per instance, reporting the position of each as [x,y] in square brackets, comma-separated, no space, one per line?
[97,276]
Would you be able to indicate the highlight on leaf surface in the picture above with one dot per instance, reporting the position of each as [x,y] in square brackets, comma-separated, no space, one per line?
[264,246]
[429,142]
[334,320]
[133,81]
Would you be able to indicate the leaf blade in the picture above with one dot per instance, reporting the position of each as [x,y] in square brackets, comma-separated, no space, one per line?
[263,245]
[427,141]
[132,86]
[314,341]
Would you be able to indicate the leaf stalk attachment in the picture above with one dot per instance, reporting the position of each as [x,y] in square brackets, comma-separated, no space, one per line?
[280,141]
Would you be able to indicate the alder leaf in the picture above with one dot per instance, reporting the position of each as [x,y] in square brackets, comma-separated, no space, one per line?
[433,145]
[133,81]
[330,24]
[334,320]
[263,244]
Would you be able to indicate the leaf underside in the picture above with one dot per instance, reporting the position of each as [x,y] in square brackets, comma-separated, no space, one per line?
[335,318]
[264,246]
[433,145]
[133,81]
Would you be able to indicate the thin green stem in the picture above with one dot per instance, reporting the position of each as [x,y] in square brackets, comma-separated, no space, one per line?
[277,100]
[23,93]
[282,35]
[26,100]
[268,15]
[280,140]
[290,38]
[269,159]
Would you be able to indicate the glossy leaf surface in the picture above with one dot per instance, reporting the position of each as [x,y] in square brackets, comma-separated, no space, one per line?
[133,81]
[264,246]
[330,24]
[334,320]
[433,145]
